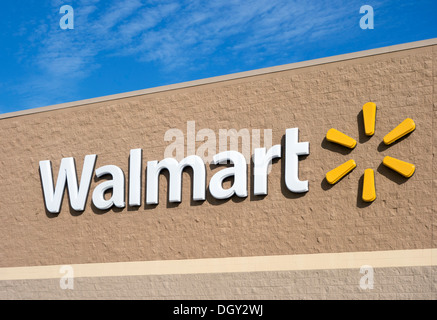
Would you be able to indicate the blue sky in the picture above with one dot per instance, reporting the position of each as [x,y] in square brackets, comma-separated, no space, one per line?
[126,45]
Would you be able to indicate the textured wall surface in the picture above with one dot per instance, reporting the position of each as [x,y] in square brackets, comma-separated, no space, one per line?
[325,219]
[389,283]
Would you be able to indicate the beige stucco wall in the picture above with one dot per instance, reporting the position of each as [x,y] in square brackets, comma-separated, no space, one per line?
[389,283]
[327,219]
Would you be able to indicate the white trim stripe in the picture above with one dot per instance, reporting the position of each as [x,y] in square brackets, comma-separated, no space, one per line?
[240,75]
[320,261]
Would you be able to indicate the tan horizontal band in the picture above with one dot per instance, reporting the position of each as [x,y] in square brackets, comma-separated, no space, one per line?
[239,75]
[320,261]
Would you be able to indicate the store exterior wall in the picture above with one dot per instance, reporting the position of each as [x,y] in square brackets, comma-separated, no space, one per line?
[283,245]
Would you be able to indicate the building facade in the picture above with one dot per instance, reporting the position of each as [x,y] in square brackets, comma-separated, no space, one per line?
[323,242]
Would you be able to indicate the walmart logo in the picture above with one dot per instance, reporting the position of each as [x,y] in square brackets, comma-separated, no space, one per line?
[262,159]
[404,168]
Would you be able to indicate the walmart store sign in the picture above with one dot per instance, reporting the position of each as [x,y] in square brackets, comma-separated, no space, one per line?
[262,159]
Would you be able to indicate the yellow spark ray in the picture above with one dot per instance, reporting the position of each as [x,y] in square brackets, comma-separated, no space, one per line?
[369,193]
[401,130]
[340,138]
[336,174]
[369,115]
[404,168]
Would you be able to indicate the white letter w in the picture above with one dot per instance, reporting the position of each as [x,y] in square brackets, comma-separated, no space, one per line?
[67,173]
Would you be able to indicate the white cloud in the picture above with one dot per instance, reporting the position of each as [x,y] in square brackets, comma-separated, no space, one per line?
[174,34]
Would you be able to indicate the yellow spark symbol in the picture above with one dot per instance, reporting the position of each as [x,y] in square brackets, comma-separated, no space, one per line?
[404,168]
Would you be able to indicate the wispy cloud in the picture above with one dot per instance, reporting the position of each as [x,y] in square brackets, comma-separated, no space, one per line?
[172,34]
